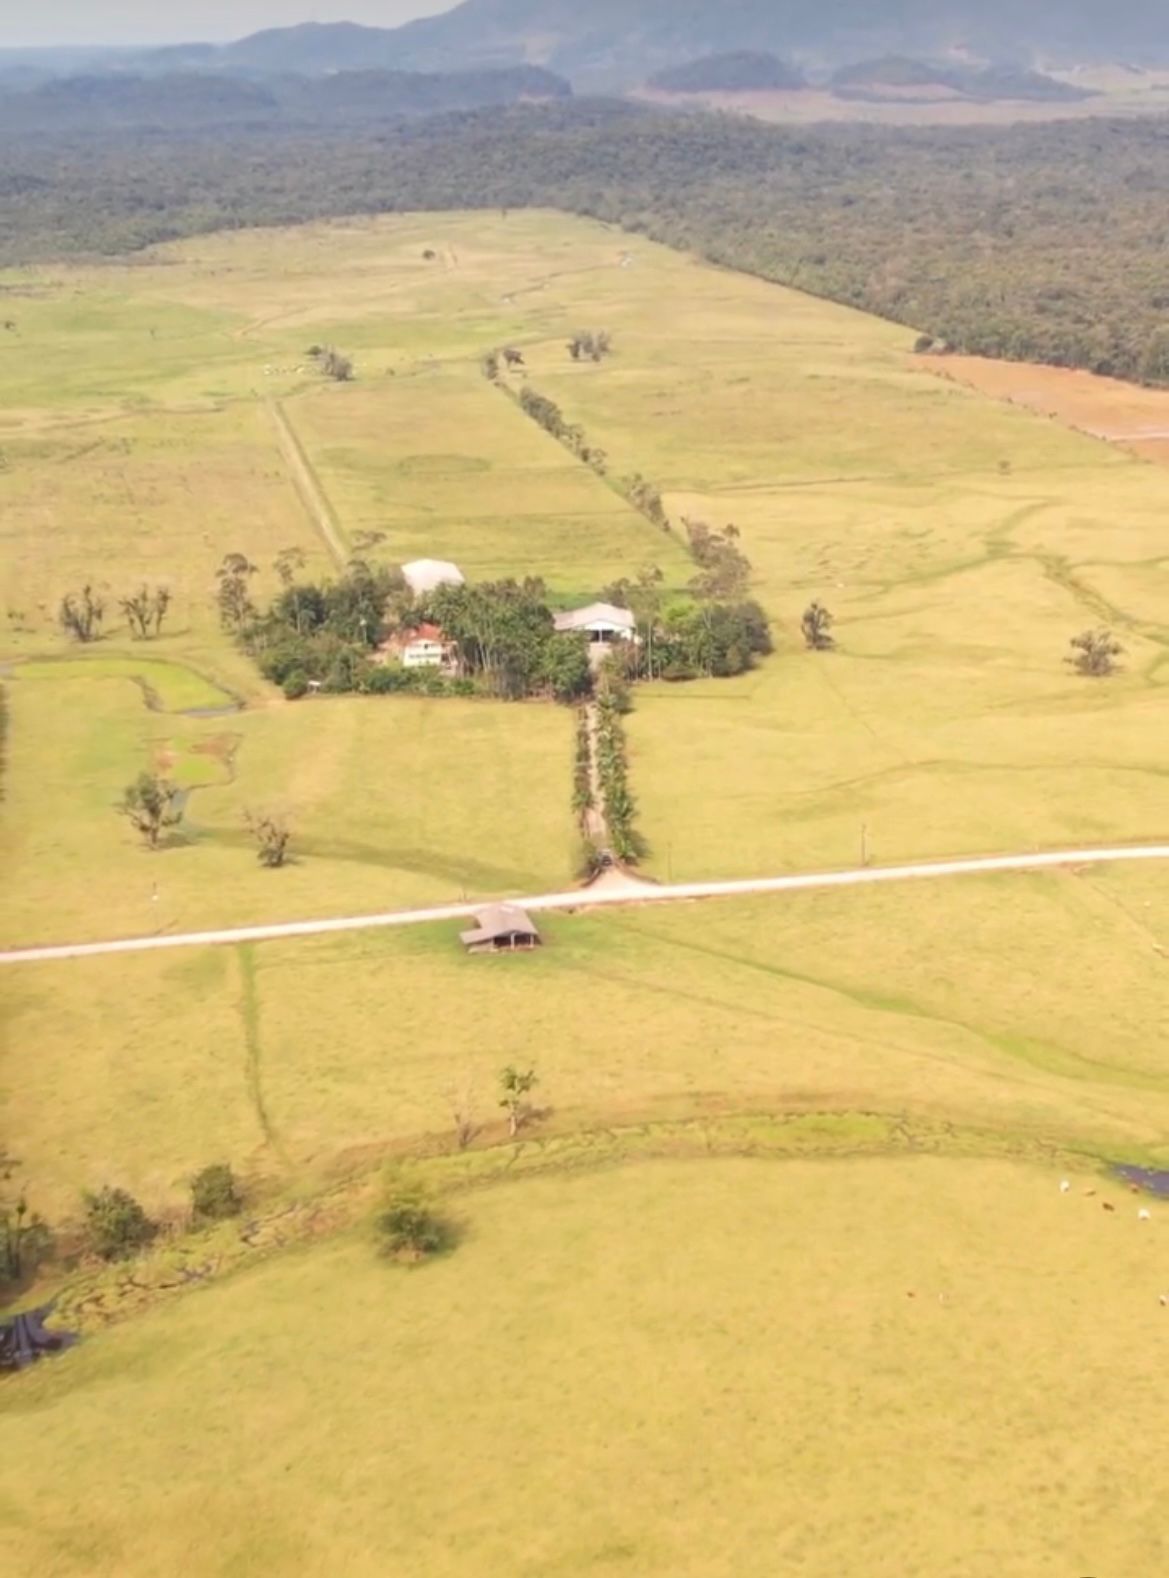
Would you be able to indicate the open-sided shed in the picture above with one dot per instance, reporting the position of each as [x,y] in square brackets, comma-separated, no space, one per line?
[502,928]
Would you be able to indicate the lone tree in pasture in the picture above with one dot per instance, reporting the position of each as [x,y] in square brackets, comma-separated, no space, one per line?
[151,805]
[461,1101]
[1094,653]
[25,1238]
[273,836]
[817,624]
[116,1226]
[515,1087]
[145,611]
[332,363]
[81,614]
[409,1224]
[234,600]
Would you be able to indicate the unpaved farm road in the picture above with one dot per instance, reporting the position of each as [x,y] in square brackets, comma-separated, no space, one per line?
[612,889]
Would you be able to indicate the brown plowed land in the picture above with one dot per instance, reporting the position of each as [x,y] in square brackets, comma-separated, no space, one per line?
[1121,413]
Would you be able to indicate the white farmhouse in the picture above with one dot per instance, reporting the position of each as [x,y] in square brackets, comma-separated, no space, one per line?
[423,646]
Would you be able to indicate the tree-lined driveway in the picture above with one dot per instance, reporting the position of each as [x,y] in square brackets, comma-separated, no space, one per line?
[613,889]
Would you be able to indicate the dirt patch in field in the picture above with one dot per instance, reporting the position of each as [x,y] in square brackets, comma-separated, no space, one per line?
[808,106]
[1124,414]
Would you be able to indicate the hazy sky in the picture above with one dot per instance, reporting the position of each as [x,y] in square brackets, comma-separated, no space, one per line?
[177,21]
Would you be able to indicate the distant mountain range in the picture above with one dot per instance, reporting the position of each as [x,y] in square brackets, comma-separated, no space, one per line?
[191,99]
[619,43]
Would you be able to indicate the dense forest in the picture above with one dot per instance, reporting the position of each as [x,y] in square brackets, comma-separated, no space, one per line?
[869,78]
[186,100]
[1041,242]
[741,71]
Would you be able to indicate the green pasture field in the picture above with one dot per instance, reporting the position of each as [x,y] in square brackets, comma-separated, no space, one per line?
[676,1368]
[394,804]
[721,1369]
[959,543]
[1030,1005]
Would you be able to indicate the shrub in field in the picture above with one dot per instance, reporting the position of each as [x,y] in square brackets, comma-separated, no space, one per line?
[215,1194]
[409,1224]
[1094,652]
[116,1226]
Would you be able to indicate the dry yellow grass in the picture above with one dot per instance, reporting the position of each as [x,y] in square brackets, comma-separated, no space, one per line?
[685,1370]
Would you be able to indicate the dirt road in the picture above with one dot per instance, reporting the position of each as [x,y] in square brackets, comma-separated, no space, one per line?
[617,888]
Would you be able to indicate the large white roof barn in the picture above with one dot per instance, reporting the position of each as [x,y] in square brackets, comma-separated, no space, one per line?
[427,575]
[601,622]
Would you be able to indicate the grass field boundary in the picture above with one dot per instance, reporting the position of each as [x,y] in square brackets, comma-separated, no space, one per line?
[308,485]
[90,1300]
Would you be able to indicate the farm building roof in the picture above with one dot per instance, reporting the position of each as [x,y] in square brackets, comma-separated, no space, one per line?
[427,575]
[596,614]
[500,921]
[405,638]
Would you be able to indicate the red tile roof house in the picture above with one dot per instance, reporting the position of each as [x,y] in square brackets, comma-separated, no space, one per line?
[421,646]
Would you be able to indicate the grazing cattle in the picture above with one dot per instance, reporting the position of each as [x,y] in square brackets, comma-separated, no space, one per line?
[1064,1186]
[1107,1206]
[1144,1216]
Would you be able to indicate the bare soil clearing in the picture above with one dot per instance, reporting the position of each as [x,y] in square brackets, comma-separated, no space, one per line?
[807,106]
[1121,413]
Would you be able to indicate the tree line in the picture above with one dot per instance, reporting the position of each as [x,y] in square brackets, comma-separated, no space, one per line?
[1032,242]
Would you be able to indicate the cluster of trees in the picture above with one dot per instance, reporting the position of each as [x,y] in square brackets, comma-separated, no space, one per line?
[323,634]
[82,614]
[508,642]
[313,632]
[114,1224]
[1042,242]
[331,362]
[646,497]
[590,344]
[548,415]
[582,771]
[698,635]
[613,769]
[723,568]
